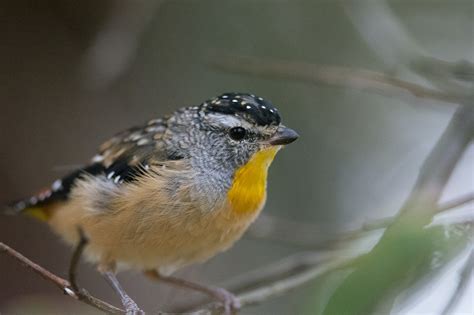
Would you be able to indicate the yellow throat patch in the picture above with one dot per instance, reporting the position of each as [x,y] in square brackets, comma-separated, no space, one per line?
[248,191]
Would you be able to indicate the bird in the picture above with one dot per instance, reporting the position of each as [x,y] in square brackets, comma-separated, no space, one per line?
[170,193]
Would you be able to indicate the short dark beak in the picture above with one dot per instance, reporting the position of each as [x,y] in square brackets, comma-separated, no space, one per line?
[283,135]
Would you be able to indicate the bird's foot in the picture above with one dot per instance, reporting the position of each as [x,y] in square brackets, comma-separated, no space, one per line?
[230,301]
[131,308]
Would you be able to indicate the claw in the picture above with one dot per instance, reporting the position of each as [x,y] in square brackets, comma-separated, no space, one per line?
[230,301]
[131,308]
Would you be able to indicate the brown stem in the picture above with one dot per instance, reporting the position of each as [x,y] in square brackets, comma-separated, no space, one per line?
[330,75]
[63,284]
[76,256]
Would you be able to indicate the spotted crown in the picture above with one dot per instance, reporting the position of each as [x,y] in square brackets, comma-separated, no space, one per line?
[252,108]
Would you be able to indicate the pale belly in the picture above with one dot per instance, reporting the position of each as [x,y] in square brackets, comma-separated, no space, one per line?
[159,242]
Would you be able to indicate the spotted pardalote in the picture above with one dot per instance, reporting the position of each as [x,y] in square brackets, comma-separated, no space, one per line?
[172,192]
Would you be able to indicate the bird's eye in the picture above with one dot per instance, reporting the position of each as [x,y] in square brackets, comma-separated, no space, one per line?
[237,133]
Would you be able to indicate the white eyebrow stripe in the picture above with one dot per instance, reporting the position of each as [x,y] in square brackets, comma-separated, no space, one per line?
[229,121]
[226,120]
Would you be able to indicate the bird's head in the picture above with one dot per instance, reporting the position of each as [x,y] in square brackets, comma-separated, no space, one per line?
[230,129]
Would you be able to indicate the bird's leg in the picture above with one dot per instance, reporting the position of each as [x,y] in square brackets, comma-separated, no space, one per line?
[230,301]
[131,308]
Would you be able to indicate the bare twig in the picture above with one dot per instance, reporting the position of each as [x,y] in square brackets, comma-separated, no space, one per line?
[464,278]
[446,75]
[383,223]
[76,256]
[61,283]
[286,284]
[277,288]
[288,266]
[115,45]
[305,235]
[105,307]
[454,203]
[439,165]
[383,31]
[358,79]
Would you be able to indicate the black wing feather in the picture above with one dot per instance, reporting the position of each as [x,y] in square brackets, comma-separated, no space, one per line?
[121,159]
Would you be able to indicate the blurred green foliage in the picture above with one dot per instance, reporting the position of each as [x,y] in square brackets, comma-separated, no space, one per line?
[403,257]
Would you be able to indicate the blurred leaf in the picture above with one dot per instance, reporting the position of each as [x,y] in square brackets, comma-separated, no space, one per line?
[404,256]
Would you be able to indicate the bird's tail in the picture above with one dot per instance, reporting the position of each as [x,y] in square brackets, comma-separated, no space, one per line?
[35,206]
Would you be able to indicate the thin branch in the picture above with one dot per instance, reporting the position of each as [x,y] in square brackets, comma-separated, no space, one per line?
[117,42]
[82,293]
[288,266]
[438,167]
[383,31]
[457,202]
[63,284]
[76,256]
[105,307]
[448,205]
[464,278]
[358,79]
[277,288]
[298,234]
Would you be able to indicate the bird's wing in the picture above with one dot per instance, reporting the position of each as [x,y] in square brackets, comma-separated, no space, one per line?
[121,159]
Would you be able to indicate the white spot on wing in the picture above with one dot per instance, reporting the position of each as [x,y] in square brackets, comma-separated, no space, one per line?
[97,158]
[57,185]
[143,142]
[135,136]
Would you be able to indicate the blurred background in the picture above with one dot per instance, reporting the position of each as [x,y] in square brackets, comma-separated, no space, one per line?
[73,73]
